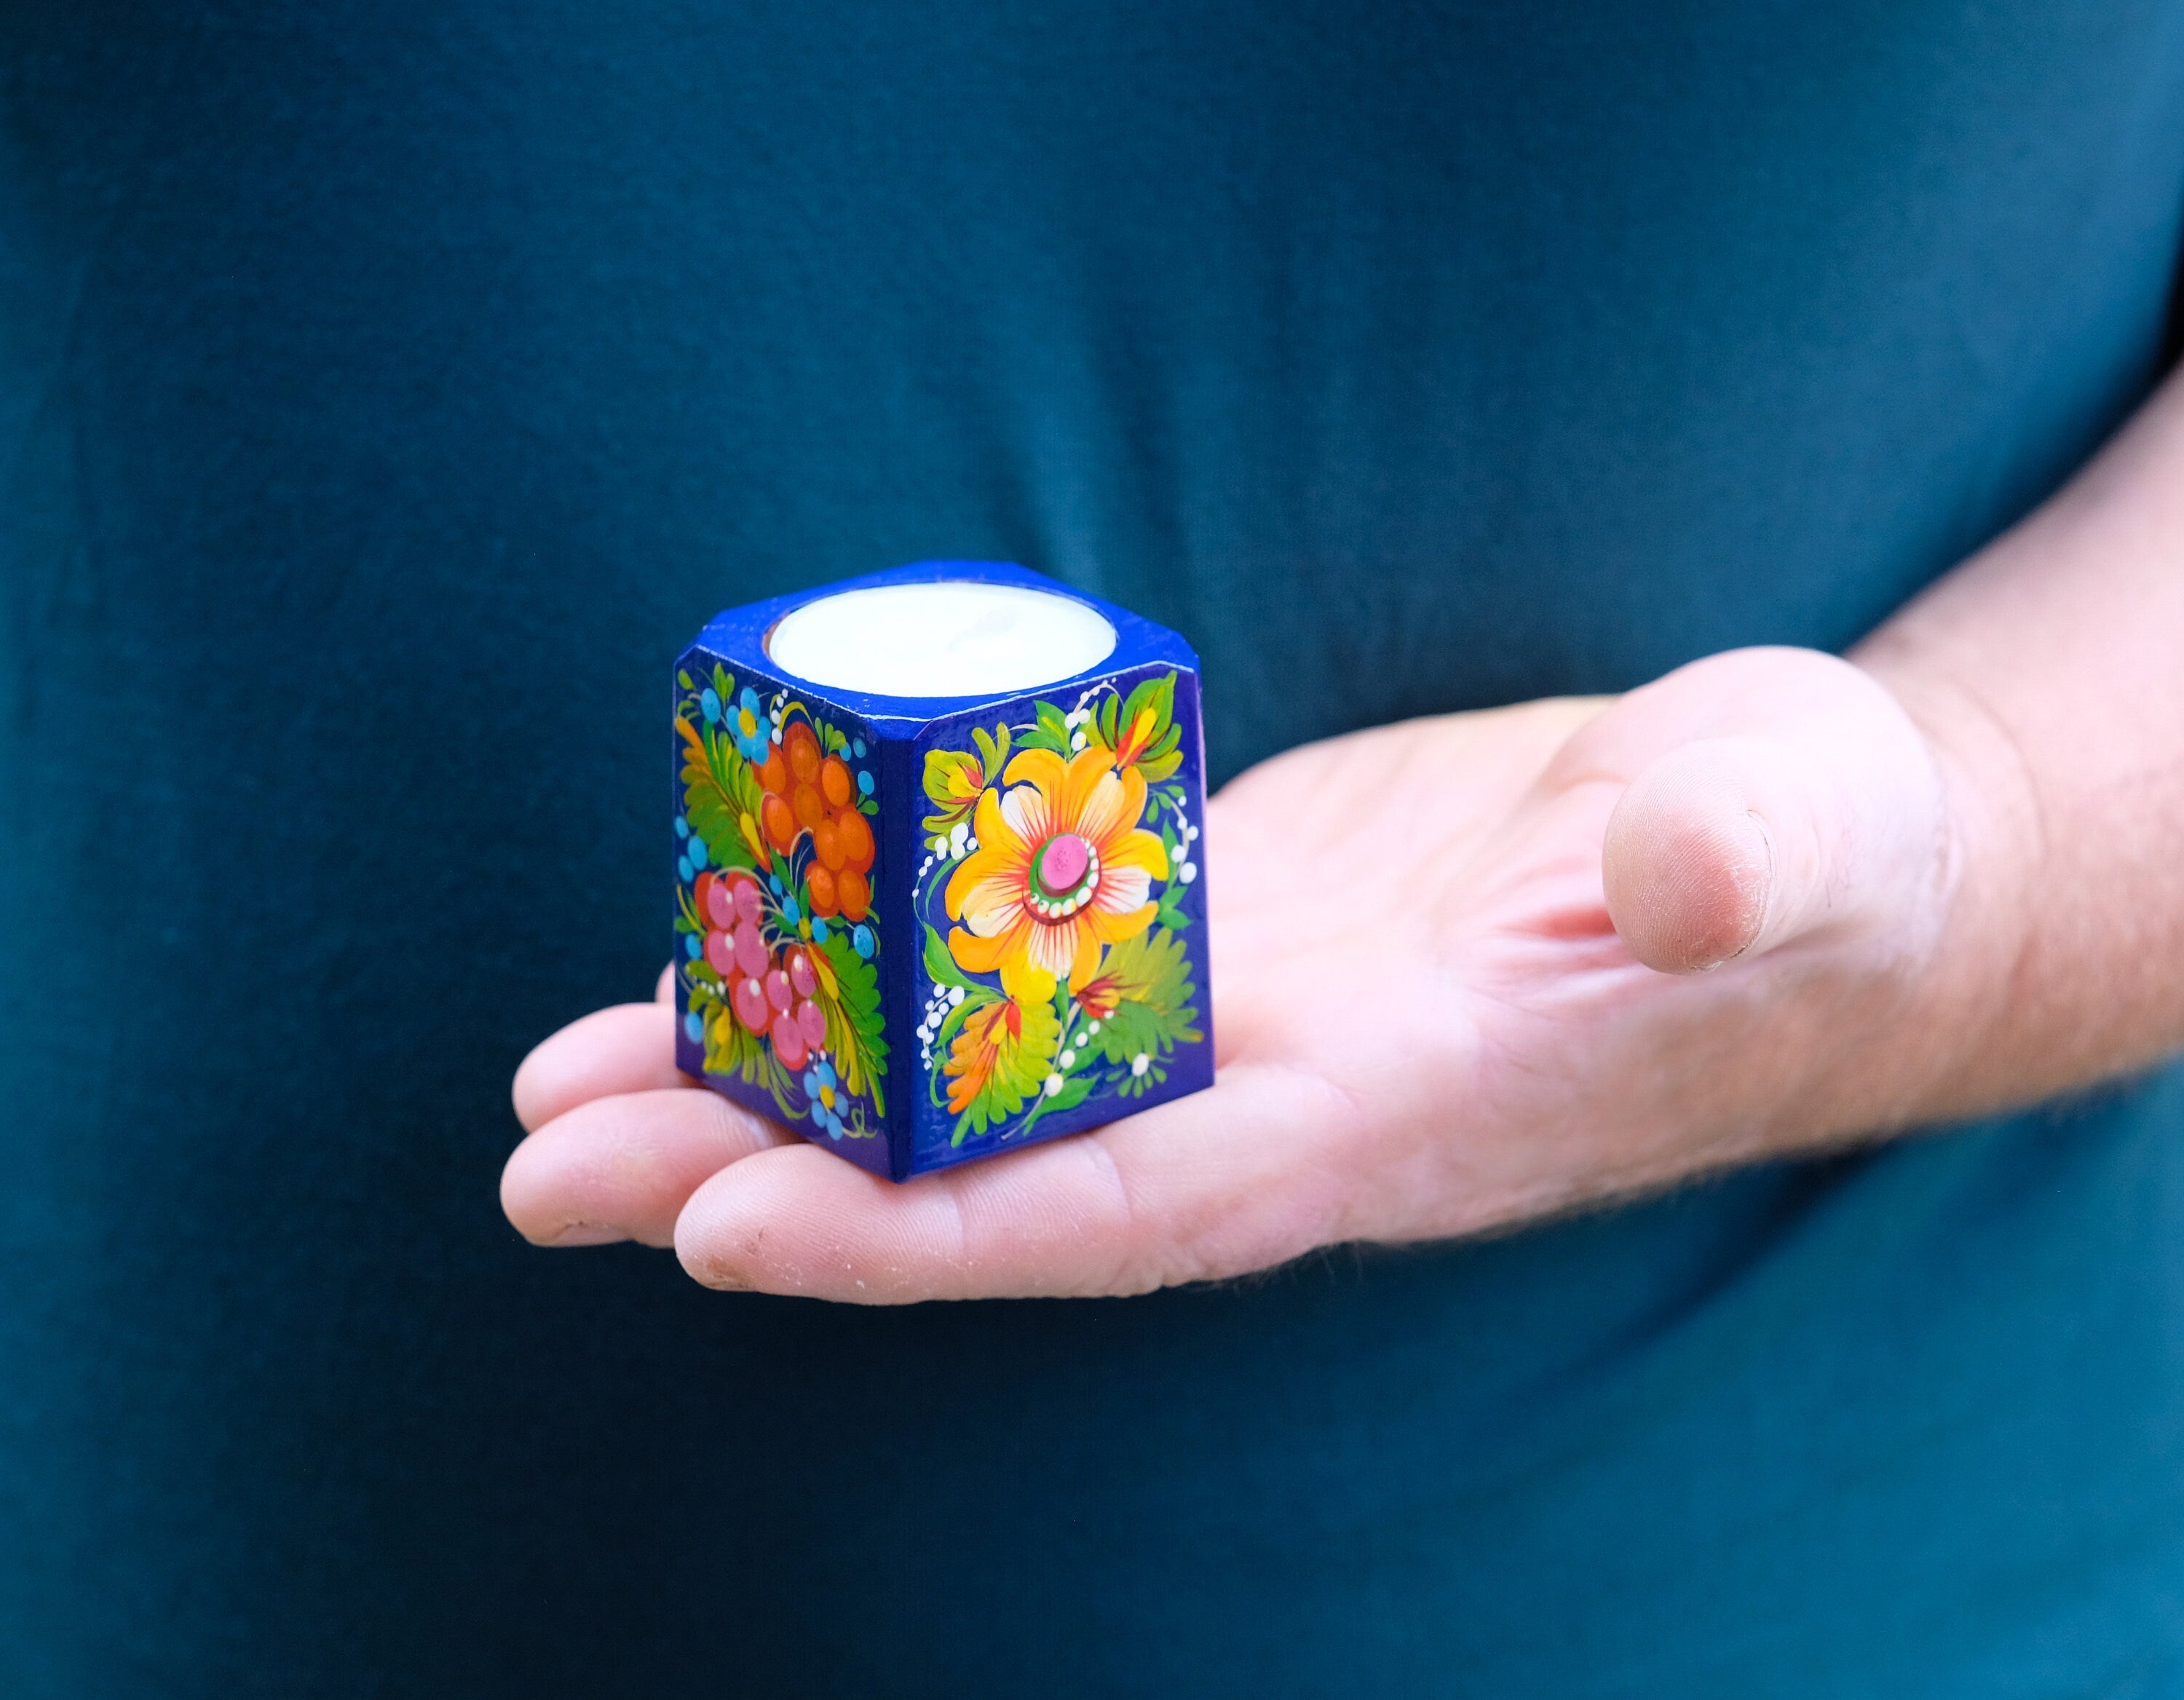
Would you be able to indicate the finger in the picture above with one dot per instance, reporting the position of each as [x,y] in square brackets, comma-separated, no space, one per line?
[629,1048]
[1214,1185]
[622,1168]
[663,989]
[1825,820]
[1690,863]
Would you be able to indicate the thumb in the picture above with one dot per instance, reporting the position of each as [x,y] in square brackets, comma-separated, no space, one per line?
[1812,814]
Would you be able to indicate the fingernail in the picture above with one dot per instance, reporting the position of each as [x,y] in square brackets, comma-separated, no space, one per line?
[721,1278]
[587,1234]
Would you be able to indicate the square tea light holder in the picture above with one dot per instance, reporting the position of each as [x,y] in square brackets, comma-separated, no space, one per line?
[938,863]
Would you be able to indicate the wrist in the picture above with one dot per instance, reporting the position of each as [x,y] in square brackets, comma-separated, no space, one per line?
[1970,1050]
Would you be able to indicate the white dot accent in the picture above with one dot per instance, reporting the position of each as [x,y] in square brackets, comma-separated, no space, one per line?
[1053,1085]
[1140,1062]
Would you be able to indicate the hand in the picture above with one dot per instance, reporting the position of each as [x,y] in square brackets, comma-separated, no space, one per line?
[1466,970]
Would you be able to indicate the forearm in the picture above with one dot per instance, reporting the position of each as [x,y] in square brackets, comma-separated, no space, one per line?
[2048,671]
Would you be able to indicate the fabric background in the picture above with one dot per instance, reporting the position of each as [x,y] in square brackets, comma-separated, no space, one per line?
[387,392]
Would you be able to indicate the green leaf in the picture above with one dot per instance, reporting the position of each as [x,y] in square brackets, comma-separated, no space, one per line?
[1157,695]
[939,965]
[1162,756]
[833,739]
[683,678]
[1136,1085]
[993,752]
[1073,1093]
[1050,730]
[1145,723]
[855,1030]
[1150,975]
[1139,697]
[1132,1028]
[718,790]
[953,781]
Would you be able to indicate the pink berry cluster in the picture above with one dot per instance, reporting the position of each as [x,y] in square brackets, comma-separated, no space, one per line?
[771,992]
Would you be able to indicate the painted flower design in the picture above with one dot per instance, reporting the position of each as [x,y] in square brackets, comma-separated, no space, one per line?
[821,1088]
[1005,1044]
[779,982]
[953,780]
[753,729]
[1062,868]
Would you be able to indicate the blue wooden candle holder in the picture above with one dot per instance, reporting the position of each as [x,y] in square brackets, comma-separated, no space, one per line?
[919,929]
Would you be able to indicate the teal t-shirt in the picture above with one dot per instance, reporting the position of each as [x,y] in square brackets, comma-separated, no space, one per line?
[387,391]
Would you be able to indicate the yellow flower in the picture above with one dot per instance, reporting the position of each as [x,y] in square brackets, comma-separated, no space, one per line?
[1061,870]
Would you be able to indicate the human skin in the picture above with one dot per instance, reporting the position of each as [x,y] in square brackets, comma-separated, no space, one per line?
[1775,902]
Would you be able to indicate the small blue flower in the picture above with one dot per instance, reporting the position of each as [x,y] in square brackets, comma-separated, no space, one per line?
[862,939]
[754,731]
[682,827]
[774,880]
[693,1027]
[819,1091]
[710,702]
[694,945]
[683,870]
[698,851]
[857,748]
[789,912]
[864,782]
[818,929]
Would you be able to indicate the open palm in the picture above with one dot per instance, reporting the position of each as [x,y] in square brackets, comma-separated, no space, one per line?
[1454,980]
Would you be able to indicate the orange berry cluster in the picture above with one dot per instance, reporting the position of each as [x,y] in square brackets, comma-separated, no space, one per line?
[809,792]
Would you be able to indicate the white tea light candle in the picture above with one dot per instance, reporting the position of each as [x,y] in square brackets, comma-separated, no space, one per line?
[951,638]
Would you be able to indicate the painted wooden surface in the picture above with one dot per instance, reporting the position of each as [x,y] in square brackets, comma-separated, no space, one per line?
[920,931]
